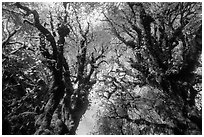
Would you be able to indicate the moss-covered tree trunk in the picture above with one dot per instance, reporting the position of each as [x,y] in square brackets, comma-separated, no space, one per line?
[167,56]
[177,77]
[73,103]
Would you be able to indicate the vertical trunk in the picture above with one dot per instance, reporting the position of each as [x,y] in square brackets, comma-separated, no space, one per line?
[77,113]
[57,92]
[73,110]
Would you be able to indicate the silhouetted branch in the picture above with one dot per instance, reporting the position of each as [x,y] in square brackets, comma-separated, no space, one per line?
[6,41]
[42,29]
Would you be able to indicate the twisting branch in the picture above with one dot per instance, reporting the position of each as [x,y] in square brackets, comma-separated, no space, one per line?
[42,29]
[81,58]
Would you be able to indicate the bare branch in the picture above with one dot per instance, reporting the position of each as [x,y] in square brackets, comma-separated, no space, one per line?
[6,41]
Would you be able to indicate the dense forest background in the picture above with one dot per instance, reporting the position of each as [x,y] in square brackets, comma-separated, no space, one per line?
[139,64]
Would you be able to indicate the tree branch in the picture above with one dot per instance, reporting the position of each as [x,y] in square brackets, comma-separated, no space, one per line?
[6,41]
[42,29]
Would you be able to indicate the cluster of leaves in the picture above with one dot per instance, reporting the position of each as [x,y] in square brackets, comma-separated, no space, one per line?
[21,90]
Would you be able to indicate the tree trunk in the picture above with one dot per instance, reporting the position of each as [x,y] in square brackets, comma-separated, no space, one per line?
[56,94]
[77,113]
[73,110]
